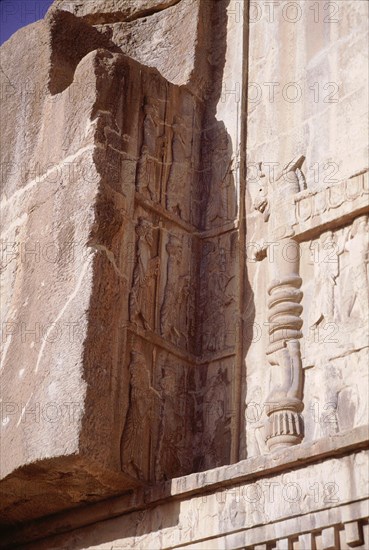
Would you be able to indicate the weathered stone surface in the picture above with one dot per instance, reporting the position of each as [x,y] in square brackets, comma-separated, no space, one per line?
[111,11]
[77,300]
[324,215]
[212,509]
[169,35]
[185,276]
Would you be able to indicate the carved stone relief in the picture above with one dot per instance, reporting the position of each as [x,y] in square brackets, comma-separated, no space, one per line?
[336,268]
[284,426]
[220,181]
[142,408]
[329,310]
[217,294]
[215,413]
[146,181]
[158,289]
[334,400]
[326,269]
[171,451]
[355,286]
[335,328]
[177,313]
[315,208]
[141,299]
[181,167]
[150,163]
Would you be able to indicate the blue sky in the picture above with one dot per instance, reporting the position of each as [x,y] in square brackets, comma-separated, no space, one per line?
[15,14]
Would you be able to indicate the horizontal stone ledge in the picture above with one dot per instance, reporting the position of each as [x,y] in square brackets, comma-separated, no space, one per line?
[330,208]
[190,358]
[257,467]
[316,211]
[290,528]
[191,229]
[209,481]
[159,209]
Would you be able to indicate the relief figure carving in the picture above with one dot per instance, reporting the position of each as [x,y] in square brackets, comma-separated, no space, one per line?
[357,287]
[151,157]
[221,172]
[326,270]
[146,175]
[152,130]
[216,299]
[181,168]
[174,315]
[142,400]
[172,453]
[216,420]
[144,274]
[341,274]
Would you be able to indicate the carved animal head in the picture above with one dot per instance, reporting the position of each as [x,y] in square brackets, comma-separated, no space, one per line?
[261,200]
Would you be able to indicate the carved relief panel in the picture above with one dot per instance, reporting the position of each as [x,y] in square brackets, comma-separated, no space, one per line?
[163,294]
[181,169]
[141,412]
[168,156]
[335,268]
[183,138]
[336,281]
[215,414]
[220,166]
[152,153]
[145,271]
[171,435]
[178,290]
[150,164]
[157,431]
[218,287]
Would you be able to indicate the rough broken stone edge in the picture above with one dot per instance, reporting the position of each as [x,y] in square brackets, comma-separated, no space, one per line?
[118,16]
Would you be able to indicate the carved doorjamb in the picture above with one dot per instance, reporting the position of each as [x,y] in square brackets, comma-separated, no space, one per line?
[284,426]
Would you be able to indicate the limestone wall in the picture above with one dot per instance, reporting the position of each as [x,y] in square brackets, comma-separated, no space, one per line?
[308,98]
[292,500]
[98,272]
[185,276]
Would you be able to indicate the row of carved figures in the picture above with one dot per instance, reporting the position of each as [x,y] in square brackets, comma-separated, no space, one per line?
[177,313]
[166,159]
[177,310]
[169,165]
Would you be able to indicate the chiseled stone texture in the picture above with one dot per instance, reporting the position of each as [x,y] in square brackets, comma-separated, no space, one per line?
[255,502]
[307,99]
[170,35]
[155,322]
[51,187]
[69,384]
[103,11]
